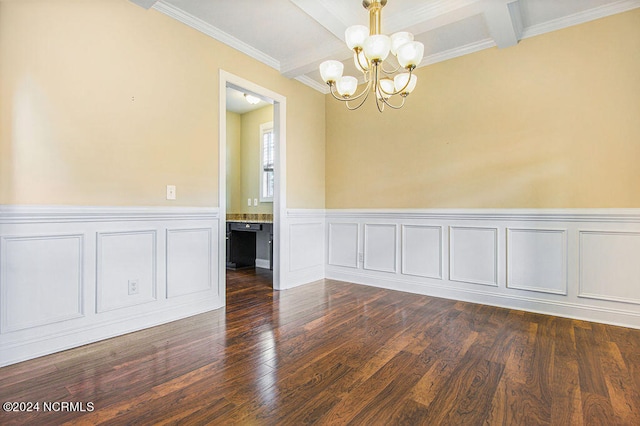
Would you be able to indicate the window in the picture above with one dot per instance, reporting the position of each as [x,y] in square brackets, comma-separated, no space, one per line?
[267,162]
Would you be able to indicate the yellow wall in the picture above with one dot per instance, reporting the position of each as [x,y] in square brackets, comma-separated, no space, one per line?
[243,160]
[234,163]
[553,122]
[251,159]
[105,103]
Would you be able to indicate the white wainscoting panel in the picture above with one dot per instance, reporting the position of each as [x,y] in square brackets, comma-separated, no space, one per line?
[578,263]
[422,251]
[65,272]
[474,255]
[302,247]
[380,247]
[343,244]
[41,280]
[124,257]
[537,260]
[306,246]
[189,260]
[610,266]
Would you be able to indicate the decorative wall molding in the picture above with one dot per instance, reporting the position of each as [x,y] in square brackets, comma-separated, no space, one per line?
[189,260]
[379,248]
[577,263]
[306,242]
[343,244]
[606,258]
[65,273]
[537,215]
[303,247]
[422,251]
[473,255]
[216,33]
[131,255]
[41,280]
[537,260]
[581,17]
[456,52]
[61,214]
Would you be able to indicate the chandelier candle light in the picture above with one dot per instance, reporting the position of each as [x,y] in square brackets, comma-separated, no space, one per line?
[370,50]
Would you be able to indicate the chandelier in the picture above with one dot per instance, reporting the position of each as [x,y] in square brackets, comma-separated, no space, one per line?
[370,50]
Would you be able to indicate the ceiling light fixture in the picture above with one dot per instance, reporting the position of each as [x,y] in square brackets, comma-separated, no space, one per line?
[251,99]
[370,50]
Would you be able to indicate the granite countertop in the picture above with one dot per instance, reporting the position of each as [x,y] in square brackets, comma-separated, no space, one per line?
[250,217]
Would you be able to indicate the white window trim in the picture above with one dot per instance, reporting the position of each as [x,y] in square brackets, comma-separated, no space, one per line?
[264,127]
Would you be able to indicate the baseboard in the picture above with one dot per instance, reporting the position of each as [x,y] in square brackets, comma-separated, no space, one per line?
[618,317]
[263,263]
[14,352]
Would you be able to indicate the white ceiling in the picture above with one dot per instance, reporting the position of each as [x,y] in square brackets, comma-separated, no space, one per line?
[237,103]
[294,36]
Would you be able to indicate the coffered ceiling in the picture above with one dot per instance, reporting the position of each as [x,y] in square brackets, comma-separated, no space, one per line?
[295,36]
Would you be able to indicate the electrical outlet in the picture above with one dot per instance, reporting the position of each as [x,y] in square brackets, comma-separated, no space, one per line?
[134,287]
[249,202]
[361,257]
[171,192]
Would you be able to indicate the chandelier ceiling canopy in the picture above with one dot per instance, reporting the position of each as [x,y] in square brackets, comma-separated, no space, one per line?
[370,53]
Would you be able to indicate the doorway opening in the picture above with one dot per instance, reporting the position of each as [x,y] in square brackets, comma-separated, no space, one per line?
[251,178]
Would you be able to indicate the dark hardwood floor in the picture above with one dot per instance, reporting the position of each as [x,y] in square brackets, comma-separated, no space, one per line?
[337,353]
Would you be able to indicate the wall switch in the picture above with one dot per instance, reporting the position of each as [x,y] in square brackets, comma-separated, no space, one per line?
[134,287]
[249,202]
[255,201]
[171,192]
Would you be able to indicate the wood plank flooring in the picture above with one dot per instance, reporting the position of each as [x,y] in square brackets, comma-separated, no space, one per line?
[336,353]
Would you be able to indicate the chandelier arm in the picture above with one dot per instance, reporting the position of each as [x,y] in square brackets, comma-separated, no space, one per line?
[390,72]
[350,108]
[379,105]
[351,98]
[377,88]
[394,106]
[397,92]
[356,52]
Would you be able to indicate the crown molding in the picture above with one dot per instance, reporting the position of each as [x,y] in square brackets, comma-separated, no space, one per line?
[458,51]
[216,33]
[146,4]
[308,81]
[581,17]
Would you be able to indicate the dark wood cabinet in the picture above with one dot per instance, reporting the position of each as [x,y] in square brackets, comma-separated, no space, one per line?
[241,243]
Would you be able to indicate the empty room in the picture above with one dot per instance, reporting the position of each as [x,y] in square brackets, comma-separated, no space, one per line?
[323,212]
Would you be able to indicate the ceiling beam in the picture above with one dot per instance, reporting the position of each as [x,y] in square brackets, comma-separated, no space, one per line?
[419,19]
[322,15]
[503,21]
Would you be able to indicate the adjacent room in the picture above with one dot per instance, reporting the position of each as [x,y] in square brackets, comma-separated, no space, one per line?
[320,212]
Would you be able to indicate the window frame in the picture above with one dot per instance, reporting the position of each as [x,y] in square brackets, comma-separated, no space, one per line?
[266,128]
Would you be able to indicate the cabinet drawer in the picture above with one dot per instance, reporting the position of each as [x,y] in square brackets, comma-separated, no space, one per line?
[242,226]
